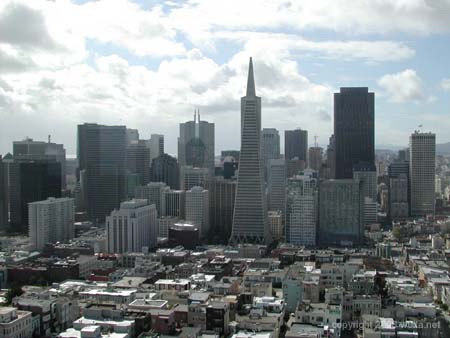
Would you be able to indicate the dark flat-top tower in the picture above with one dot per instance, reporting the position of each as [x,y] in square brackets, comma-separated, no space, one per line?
[250,211]
[354,126]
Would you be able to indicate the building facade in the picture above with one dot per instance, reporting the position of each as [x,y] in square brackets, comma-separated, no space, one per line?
[422,167]
[132,227]
[197,209]
[165,169]
[250,209]
[277,186]
[302,209]
[341,213]
[51,221]
[102,155]
[354,129]
[296,144]
[151,192]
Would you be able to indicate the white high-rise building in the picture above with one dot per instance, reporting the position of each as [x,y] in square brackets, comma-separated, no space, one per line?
[132,227]
[197,209]
[422,147]
[51,221]
[250,223]
[173,203]
[302,209]
[152,192]
[277,186]
[193,177]
[155,146]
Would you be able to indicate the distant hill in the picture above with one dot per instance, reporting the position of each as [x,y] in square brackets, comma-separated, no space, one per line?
[443,148]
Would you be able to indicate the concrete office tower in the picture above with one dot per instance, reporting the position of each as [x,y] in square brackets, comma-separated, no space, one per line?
[271,145]
[153,193]
[341,211]
[155,146]
[315,158]
[132,136]
[438,186]
[51,221]
[276,224]
[296,144]
[197,209]
[165,169]
[138,162]
[4,199]
[398,196]
[173,203]
[422,165]
[354,127]
[31,181]
[41,151]
[102,154]
[222,195]
[302,209]
[295,167]
[132,227]
[331,158]
[192,176]
[277,186]
[196,143]
[250,210]
[370,211]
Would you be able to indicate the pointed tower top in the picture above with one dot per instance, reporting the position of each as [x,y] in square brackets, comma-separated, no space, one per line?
[251,91]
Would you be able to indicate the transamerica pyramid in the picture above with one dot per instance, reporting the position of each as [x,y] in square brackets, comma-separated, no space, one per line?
[250,223]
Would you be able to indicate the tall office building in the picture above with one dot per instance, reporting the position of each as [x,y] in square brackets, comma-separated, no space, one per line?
[102,154]
[296,144]
[138,161]
[354,110]
[315,157]
[29,149]
[403,155]
[31,181]
[192,176]
[51,221]
[132,227]
[155,146]
[173,203]
[302,209]
[165,169]
[271,144]
[277,186]
[4,199]
[196,143]
[250,209]
[398,190]
[422,170]
[151,192]
[197,209]
[222,195]
[341,212]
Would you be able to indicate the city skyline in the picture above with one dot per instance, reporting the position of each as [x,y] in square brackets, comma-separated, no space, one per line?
[108,73]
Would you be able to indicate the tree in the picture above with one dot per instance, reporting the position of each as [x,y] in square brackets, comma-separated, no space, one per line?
[14,291]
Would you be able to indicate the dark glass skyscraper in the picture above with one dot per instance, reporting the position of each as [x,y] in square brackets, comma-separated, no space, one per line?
[4,217]
[296,144]
[31,181]
[102,154]
[354,126]
[165,169]
[250,223]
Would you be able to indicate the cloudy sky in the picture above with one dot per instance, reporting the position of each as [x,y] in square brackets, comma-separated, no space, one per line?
[148,64]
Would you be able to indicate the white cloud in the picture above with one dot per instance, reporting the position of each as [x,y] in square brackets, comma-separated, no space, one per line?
[445,84]
[403,86]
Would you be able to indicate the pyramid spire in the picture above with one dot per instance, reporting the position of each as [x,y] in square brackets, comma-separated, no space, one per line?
[251,91]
